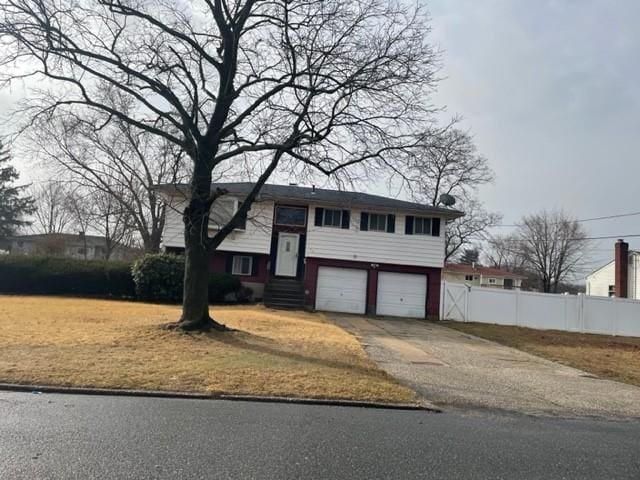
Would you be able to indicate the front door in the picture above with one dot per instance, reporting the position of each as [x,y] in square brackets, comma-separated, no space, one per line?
[287,257]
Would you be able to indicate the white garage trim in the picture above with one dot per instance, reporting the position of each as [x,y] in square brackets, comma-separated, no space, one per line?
[341,290]
[402,294]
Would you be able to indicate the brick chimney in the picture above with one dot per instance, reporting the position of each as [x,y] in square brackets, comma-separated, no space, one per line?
[622,268]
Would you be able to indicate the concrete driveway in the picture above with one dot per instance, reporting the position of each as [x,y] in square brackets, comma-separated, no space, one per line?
[454,369]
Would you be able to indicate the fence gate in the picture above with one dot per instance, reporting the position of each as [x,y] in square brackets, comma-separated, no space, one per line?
[455,302]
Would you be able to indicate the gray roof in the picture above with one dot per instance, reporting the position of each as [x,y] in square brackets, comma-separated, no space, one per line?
[304,195]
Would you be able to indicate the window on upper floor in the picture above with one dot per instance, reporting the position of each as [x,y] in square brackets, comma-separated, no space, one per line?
[422,226]
[291,216]
[331,217]
[377,222]
[222,210]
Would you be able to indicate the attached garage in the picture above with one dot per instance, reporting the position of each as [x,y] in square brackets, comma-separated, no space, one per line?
[401,294]
[341,290]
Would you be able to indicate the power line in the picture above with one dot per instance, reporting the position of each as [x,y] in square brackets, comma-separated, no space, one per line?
[593,219]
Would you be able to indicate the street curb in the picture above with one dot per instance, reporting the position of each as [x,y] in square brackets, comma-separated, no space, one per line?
[15,387]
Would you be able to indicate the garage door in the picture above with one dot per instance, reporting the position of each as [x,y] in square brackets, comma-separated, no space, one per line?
[401,294]
[341,290]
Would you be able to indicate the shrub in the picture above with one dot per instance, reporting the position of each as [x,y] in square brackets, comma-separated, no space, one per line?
[65,276]
[159,277]
[221,285]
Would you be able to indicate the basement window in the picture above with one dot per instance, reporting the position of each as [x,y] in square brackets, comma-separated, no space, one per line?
[242,265]
[612,290]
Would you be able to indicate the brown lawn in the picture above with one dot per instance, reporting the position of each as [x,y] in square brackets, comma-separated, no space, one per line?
[617,358]
[102,343]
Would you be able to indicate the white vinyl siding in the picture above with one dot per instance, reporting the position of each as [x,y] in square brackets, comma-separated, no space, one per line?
[375,247]
[599,281]
[256,238]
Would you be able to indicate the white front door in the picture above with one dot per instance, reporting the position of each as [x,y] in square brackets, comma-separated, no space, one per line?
[287,257]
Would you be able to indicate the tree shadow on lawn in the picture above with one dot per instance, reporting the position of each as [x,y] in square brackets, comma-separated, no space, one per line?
[262,345]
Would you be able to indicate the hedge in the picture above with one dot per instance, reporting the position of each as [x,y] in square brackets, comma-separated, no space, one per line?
[65,276]
[159,277]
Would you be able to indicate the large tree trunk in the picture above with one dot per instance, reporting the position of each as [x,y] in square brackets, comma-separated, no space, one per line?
[195,303]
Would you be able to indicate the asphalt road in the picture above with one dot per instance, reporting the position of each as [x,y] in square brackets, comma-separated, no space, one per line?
[52,436]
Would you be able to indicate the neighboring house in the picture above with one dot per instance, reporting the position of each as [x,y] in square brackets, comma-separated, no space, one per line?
[619,277]
[327,249]
[479,276]
[79,246]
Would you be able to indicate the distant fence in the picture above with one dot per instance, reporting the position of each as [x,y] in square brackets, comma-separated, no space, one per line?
[573,313]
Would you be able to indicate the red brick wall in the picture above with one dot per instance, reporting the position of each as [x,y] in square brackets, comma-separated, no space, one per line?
[621,268]
[433,280]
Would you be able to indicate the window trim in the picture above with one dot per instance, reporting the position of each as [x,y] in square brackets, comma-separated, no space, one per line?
[233,265]
[324,217]
[490,282]
[422,219]
[468,278]
[611,291]
[383,215]
[275,216]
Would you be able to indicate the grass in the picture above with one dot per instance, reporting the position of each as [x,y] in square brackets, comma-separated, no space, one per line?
[115,344]
[617,358]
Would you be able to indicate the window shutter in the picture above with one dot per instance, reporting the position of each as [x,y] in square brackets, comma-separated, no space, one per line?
[435,227]
[364,221]
[346,217]
[228,264]
[319,213]
[391,223]
[408,225]
[254,265]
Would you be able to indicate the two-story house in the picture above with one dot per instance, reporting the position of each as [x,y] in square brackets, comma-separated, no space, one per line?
[327,249]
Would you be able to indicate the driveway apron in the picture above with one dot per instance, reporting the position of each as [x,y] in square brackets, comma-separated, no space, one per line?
[454,369]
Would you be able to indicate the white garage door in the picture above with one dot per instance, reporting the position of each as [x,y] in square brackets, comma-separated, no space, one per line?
[401,294]
[341,290]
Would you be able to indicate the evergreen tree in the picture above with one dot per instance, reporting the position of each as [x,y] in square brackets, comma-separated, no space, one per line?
[469,256]
[13,204]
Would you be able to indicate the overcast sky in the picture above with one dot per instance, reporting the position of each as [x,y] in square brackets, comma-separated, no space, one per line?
[551,90]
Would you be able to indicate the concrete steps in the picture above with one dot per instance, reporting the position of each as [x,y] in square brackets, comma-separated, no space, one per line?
[284,293]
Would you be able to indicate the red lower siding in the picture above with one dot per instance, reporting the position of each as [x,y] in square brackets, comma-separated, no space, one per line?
[433,280]
[218,263]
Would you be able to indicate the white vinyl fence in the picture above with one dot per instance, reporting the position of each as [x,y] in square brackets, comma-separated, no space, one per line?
[573,313]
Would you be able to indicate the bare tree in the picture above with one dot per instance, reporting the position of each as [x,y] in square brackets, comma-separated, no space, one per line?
[470,228]
[54,209]
[503,251]
[552,246]
[449,163]
[115,159]
[288,84]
